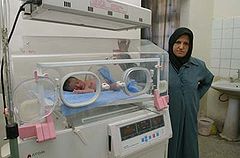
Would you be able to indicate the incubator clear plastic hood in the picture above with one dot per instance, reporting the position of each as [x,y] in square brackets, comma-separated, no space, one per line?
[138,66]
[104,14]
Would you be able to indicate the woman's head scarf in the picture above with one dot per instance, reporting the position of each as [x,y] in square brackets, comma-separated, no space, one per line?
[177,62]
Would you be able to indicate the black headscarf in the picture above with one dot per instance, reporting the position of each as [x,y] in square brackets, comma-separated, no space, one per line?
[177,62]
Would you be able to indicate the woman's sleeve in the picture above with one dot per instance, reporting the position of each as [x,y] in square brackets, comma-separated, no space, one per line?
[205,82]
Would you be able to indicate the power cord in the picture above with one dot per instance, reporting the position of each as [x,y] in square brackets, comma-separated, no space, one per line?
[3,93]
[36,2]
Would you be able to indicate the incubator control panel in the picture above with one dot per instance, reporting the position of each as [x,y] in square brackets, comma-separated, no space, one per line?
[135,134]
[141,128]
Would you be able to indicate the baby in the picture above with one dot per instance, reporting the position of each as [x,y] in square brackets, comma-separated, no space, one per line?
[73,84]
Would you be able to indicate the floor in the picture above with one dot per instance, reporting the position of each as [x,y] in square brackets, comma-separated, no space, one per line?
[216,147]
[210,147]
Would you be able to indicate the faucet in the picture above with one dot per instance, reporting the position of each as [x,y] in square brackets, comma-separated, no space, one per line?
[237,79]
[238,72]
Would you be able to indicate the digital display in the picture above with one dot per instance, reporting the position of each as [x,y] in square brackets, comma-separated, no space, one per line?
[128,131]
[144,126]
[141,127]
[157,122]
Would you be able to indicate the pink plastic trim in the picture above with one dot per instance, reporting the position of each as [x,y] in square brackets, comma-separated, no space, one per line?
[42,131]
[160,102]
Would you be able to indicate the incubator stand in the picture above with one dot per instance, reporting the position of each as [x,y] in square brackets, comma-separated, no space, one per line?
[113,117]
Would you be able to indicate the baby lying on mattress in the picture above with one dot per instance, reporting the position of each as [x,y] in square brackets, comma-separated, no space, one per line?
[73,84]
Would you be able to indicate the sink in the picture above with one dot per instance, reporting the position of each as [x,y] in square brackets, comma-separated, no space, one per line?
[231,130]
[227,87]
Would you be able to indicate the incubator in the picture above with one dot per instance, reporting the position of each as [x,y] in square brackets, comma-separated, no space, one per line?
[91,97]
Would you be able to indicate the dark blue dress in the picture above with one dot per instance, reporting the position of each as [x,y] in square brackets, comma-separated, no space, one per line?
[186,87]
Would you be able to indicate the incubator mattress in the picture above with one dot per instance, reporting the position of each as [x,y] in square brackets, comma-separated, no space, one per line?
[105,98]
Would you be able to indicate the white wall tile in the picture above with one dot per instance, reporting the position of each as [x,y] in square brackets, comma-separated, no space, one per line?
[224,73]
[217,33]
[216,43]
[217,23]
[236,43]
[225,63]
[236,33]
[237,21]
[215,63]
[227,43]
[228,23]
[235,64]
[215,71]
[226,53]
[233,73]
[227,33]
[236,53]
[215,53]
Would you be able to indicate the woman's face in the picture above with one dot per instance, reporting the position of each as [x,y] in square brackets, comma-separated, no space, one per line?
[181,46]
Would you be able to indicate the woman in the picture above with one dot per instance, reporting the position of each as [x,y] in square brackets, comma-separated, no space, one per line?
[189,80]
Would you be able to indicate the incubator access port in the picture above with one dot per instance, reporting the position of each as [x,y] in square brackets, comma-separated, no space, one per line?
[34,99]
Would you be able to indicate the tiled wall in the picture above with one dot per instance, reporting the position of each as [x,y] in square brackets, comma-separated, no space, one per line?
[225,53]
